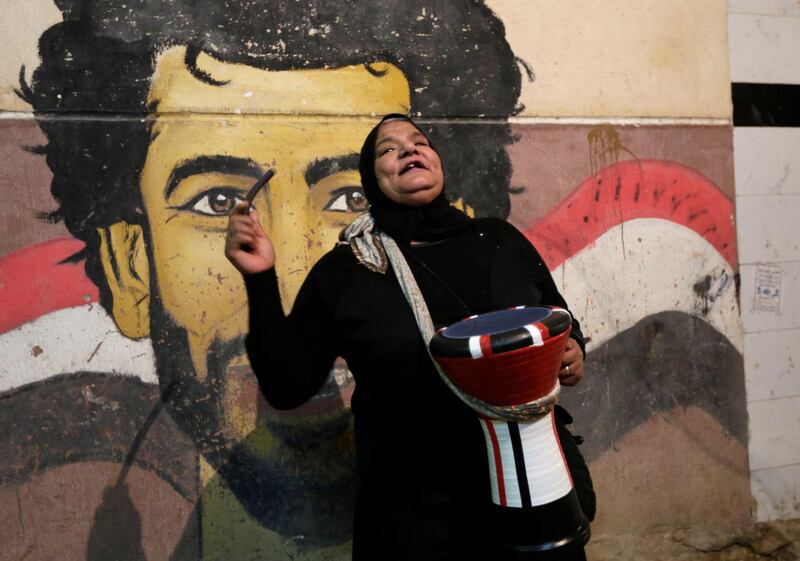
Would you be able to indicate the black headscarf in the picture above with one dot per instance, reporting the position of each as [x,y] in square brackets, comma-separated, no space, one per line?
[435,221]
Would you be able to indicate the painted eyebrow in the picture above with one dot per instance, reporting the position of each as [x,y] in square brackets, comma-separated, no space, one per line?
[205,164]
[323,167]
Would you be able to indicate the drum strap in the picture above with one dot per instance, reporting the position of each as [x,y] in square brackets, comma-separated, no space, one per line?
[365,243]
[413,295]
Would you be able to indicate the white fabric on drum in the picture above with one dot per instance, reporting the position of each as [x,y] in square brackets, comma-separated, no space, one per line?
[548,476]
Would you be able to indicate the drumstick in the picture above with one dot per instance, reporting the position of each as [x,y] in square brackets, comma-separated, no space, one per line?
[258,185]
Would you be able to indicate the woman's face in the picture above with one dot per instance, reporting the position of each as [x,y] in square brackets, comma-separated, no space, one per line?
[408,170]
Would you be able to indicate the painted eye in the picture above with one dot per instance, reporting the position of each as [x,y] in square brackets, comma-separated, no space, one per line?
[216,202]
[347,199]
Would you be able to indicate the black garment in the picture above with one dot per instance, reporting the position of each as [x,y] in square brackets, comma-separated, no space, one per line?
[422,473]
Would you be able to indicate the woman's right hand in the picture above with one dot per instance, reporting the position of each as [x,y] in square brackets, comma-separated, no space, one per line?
[246,244]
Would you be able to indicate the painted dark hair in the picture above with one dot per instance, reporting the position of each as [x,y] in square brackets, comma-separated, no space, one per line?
[99,61]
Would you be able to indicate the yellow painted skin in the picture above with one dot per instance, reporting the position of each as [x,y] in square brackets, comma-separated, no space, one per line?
[198,286]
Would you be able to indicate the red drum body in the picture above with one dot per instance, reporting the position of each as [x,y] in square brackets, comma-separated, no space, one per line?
[508,361]
[505,358]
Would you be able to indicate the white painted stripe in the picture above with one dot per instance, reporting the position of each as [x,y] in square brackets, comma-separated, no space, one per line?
[77,339]
[588,120]
[622,278]
[492,463]
[536,335]
[518,120]
[623,121]
[475,346]
[548,477]
[17,115]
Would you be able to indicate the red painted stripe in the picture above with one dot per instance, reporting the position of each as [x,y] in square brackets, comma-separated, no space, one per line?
[630,190]
[34,282]
[543,331]
[486,345]
[498,463]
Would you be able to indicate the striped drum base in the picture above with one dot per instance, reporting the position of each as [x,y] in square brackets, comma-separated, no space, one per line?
[505,364]
[526,464]
[532,485]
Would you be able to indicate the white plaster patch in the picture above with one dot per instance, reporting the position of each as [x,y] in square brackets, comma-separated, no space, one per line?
[766,227]
[774,425]
[763,48]
[776,492]
[767,162]
[771,364]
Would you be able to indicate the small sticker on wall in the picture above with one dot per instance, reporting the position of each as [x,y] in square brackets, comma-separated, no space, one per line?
[768,288]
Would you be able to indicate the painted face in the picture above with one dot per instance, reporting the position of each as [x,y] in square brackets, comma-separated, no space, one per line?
[199,167]
[408,170]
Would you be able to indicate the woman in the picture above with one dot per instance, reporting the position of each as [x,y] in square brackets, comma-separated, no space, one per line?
[422,475]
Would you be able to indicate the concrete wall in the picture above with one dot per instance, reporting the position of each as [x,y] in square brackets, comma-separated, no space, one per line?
[599,129]
[764,45]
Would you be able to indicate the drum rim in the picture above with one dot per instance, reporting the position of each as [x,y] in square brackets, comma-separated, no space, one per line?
[447,331]
[555,323]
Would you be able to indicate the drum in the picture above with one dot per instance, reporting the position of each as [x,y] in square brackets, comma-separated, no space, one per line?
[505,358]
[505,365]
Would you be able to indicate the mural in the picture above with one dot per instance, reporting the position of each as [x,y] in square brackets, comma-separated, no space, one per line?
[130,424]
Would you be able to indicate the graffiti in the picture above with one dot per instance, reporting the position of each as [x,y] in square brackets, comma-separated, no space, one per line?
[711,288]
[146,198]
[125,334]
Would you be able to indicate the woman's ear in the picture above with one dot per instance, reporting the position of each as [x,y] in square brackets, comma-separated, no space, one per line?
[127,272]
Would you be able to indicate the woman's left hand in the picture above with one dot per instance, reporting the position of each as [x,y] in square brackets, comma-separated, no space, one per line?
[571,364]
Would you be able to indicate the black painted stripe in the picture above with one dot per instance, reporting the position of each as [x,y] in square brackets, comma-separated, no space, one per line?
[519,464]
[766,105]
